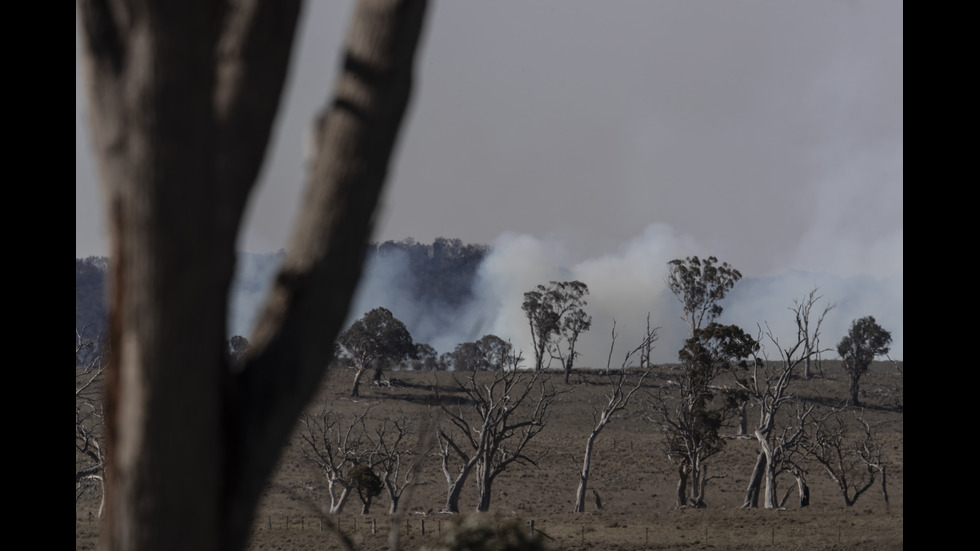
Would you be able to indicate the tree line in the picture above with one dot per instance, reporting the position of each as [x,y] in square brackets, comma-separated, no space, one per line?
[193,436]
[502,404]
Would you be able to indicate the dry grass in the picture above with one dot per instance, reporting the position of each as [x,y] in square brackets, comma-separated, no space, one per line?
[636,482]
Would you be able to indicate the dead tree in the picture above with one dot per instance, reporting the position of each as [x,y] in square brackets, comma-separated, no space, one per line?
[334,447]
[393,457]
[182,97]
[90,456]
[767,385]
[621,391]
[491,428]
[845,444]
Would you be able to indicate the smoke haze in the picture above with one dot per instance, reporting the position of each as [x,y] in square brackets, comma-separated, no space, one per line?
[624,285]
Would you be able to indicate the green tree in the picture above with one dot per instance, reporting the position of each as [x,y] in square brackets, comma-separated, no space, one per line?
[865,340]
[701,285]
[375,340]
[490,353]
[366,483]
[556,312]
[692,412]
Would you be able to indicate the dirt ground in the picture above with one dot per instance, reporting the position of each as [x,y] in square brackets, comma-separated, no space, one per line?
[634,479]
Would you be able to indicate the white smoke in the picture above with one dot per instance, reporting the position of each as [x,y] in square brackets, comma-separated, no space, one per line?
[624,286]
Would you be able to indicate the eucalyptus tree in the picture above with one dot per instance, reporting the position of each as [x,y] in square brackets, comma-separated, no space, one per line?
[490,353]
[622,385]
[692,410]
[491,429]
[556,315]
[182,97]
[845,444]
[767,384]
[865,340]
[375,340]
[700,286]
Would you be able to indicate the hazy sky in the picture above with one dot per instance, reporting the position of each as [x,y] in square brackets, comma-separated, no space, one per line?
[767,133]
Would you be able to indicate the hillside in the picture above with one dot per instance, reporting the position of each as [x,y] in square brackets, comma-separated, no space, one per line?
[630,472]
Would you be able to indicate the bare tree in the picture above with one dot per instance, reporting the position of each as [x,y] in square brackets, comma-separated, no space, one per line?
[334,447]
[767,384]
[846,445]
[490,429]
[182,96]
[621,391]
[393,457]
[90,457]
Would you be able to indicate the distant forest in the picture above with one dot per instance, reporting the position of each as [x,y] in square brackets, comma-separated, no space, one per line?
[442,272]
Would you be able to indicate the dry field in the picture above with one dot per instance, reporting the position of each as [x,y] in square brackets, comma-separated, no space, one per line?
[633,477]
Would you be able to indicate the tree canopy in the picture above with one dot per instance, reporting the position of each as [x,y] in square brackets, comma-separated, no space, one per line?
[701,285]
[553,312]
[863,342]
[377,339]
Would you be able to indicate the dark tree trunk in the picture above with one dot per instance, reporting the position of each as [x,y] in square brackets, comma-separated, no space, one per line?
[182,96]
[682,474]
[755,482]
[855,389]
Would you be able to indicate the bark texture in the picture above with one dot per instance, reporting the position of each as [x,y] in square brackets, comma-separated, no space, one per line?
[182,97]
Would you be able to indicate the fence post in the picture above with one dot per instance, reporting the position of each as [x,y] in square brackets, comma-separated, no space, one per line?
[374,527]
[532,528]
[423,526]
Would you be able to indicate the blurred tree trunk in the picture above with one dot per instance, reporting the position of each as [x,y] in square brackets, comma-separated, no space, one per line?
[755,482]
[182,97]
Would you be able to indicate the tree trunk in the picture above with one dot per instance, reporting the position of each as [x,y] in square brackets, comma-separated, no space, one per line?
[755,483]
[452,497]
[743,419]
[771,502]
[337,504]
[804,490]
[484,504]
[682,473]
[699,477]
[355,386]
[484,484]
[456,486]
[855,389]
[884,488]
[182,96]
[584,475]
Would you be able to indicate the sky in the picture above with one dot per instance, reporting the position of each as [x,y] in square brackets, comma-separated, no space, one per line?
[601,139]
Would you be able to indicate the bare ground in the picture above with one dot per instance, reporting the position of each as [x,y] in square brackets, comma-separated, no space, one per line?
[633,477]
